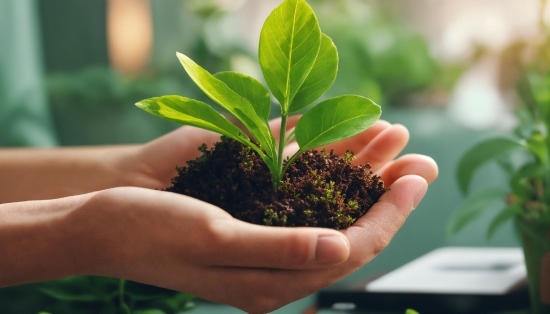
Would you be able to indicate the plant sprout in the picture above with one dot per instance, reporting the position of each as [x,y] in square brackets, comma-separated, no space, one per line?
[299,64]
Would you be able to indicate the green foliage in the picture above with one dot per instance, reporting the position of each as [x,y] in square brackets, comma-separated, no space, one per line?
[528,193]
[91,295]
[299,64]
[474,206]
[111,296]
[289,46]
[480,154]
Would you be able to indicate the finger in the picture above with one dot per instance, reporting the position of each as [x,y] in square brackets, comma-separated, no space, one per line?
[371,233]
[255,290]
[384,147]
[358,142]
[416,164]
[241,244]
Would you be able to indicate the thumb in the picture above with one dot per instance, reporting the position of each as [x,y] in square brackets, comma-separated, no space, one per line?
[247,245]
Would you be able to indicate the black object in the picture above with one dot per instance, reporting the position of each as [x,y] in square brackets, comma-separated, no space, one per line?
[355,299]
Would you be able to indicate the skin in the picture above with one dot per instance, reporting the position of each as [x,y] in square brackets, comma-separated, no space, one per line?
[94,211]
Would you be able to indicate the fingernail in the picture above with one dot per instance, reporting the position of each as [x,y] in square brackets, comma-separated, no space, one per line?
[419,195]
[331,250]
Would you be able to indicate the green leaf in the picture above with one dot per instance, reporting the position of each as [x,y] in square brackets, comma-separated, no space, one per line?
[411,311]
[219,92]
[537,145]
[506,214]
[474,206]
[149,311]
[479,155]
[521,180]
[320,78]
[250,89]
[335,119]
[191,112]
[143,292]
[70,289]
[289,44]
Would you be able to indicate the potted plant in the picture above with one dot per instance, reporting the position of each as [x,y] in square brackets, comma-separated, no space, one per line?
[524,156]
[246,173]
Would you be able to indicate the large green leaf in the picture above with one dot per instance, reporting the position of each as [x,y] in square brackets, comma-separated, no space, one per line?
[474,206]
[335,119]
[191,112]
[479,155]
[250,89]
[232,102]
[320,78]
[289,44]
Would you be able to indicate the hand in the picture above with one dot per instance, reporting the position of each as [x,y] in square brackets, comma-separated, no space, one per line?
[180,243]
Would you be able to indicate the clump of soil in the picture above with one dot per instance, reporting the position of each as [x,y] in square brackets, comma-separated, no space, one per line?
[319,189]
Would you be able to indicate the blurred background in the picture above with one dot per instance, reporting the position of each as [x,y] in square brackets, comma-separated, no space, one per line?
[71,71]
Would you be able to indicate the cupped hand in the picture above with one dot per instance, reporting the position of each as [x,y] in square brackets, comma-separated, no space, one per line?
[180,243]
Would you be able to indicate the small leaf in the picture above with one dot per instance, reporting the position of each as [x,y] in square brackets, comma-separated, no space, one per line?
[536,144]
[479,155]
[474,206]
[70,289]
[239,107]
[320,78]
[149,311]
[289,44]
[250,89]
[525,93]
[520,182]
[143,292]
[506,214]
[191,112]
[411,311]
[335,119]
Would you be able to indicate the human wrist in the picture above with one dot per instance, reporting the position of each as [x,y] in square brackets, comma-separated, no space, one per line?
[36,240]
[133,170]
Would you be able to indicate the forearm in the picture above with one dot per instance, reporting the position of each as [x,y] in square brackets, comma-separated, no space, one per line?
[37,242]
[33,174]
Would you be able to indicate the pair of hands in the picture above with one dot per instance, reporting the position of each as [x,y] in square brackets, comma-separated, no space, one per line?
[178,242]
[181,243]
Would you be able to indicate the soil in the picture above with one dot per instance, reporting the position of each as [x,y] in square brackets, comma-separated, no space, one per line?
[319,189]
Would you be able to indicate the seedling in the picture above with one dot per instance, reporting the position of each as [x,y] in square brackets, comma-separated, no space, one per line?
[299,64]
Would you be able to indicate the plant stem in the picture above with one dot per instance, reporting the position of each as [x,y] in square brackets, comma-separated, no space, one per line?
[123,305]
[282,136]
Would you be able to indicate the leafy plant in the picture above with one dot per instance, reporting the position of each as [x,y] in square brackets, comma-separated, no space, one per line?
[92,294]
[525,159]
[299,64]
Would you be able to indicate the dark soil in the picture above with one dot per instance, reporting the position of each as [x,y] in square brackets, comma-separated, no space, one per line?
[319,189]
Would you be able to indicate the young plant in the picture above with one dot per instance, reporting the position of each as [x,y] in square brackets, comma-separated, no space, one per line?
[528,195]
[299,64]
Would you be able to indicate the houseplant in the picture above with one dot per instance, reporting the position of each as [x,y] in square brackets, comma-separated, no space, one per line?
[524,157]
[299,64]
